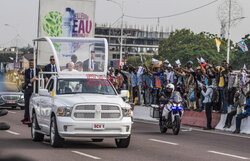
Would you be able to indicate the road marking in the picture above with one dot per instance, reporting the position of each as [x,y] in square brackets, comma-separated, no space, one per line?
[230,155]
[221,133]
[11,132]
[161,141]
[195,129]
[11,112]
[86,155]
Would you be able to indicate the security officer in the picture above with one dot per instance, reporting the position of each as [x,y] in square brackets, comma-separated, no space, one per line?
[49,68]
[30,78]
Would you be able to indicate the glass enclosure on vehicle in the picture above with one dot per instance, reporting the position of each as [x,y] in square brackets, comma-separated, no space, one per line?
[74,55]
[77,86]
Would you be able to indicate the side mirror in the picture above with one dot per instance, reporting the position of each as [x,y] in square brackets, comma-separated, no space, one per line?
[44,92]
[124,93]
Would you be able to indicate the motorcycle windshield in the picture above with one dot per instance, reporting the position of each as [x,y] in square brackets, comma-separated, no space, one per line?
[177,98]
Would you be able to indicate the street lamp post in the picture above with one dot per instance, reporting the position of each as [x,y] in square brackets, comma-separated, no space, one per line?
[122,8]
[17,34]
[228,41]
[228,31]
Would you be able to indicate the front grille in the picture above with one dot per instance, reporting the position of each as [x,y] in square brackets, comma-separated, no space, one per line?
[110,115]
[109,107]
[84,115]
[11,97]
[85,107]
[96,112]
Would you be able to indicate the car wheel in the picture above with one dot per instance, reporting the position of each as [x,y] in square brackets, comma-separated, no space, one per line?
[97,140]
[122,143]
[22,107]
[55,140]
[34,126]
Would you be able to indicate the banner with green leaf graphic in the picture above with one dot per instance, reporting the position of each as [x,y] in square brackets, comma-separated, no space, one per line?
[64,18]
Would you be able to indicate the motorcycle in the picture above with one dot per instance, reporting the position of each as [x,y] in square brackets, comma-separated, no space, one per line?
[170,116]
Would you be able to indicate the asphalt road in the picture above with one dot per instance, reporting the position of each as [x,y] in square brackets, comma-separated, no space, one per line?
[147,144]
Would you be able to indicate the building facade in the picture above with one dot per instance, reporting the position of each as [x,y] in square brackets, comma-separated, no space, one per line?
[136,42]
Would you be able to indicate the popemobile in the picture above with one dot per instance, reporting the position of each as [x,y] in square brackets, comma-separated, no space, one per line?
[78,100]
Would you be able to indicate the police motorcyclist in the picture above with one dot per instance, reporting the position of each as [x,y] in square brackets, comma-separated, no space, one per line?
[169,94]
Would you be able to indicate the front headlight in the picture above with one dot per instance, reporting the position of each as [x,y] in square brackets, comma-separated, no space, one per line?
[126,112]
[64,111]
[22,97]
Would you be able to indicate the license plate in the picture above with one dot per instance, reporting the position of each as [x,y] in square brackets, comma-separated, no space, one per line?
[98,127]
[11,102]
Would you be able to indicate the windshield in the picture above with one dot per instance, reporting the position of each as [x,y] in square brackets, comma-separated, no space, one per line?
[74,86]
[8,87]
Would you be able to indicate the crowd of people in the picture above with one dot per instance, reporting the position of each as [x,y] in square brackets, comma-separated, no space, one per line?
[205,87]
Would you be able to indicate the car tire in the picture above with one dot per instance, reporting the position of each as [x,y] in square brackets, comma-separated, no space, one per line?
[55,140]
[34,126]
[97,140]
[22,107]
[122,143]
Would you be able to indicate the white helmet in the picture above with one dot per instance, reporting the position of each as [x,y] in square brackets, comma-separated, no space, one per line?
[171,86]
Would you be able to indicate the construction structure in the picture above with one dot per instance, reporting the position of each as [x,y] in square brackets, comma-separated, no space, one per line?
[136,41]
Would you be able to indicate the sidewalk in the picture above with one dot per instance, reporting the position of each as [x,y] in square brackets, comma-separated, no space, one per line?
[190,118]
[195,119]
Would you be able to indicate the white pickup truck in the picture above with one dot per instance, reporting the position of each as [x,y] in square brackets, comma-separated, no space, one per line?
[79,102]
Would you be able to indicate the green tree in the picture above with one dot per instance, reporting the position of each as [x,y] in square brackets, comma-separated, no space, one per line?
[186,45]
[7,57]
[138,61]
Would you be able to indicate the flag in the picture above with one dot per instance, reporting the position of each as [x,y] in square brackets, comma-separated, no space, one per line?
[166,61]
[202,60]
[199,61]
[245,67]
[140,71]
[218,43]
[244,74]
[178,62]
[141,58]
[155,61]
[242,46]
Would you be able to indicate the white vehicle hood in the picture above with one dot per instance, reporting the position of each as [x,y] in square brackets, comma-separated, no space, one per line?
[71,100]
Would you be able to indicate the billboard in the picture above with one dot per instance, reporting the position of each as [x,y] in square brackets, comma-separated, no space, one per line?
[64,18]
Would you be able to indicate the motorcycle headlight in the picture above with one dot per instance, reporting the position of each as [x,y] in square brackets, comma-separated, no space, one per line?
[64,111]
[174,104]
[126,112]
[179,105]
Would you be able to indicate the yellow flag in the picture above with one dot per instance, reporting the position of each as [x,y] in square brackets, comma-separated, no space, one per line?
[53,93]
[218,43]
[128,95]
